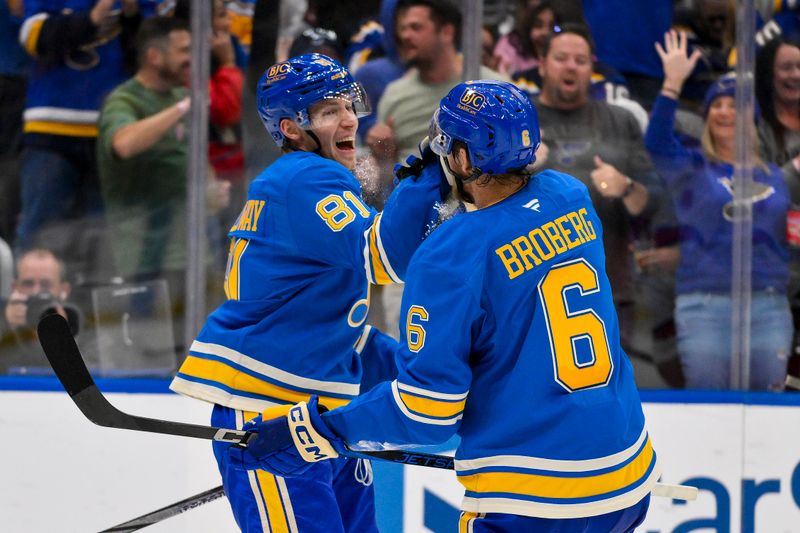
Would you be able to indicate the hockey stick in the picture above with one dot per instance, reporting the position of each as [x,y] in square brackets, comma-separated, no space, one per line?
[65,358]
[676,492]
[168,512]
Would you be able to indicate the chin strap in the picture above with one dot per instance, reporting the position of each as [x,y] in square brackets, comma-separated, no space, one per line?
[457,183]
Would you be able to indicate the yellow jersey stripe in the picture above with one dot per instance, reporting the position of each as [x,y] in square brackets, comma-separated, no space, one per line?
[275,511]
[60,128]
[381,276]
[230,377]
[544,486]
[30,32]
[261,368]
[416,417]
[465,521]
[562,510]
[237,248]
[430,407]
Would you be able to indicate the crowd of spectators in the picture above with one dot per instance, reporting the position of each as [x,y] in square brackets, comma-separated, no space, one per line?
[635,99]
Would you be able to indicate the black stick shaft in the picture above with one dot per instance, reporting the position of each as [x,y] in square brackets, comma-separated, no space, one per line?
[167,512]
[65,358]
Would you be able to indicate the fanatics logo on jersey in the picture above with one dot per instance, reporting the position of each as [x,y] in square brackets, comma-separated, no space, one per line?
[471,101]
[533,205]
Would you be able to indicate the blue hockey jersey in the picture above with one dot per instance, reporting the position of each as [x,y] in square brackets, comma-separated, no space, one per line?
[67,85]
[512,342]
[303,252]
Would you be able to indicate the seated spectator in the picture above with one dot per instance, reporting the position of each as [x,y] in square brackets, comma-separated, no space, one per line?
[39,288]
[520,49]
[142,159]
[701,183]
[600,144]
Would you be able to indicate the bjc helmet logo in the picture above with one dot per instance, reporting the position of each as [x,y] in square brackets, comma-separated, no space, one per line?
[280,68]
[472,99]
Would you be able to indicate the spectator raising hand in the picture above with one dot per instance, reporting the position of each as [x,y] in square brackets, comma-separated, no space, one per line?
[678,64]
[702,188]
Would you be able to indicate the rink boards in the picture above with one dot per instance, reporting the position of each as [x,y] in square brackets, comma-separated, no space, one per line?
[61,473]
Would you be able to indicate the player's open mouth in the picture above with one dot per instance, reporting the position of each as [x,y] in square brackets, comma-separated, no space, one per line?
[346,144]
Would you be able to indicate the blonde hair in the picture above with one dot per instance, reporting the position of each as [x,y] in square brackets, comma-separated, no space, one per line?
[710,148]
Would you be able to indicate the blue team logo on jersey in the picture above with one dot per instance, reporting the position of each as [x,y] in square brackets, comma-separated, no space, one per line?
[471,101]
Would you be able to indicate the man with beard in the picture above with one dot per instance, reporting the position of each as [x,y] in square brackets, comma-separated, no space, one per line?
[600,144]
[427,34]
[142,160]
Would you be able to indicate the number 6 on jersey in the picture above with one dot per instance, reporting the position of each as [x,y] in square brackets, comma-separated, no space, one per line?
[568,330]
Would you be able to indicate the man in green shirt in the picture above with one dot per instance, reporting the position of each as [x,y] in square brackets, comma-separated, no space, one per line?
[142,160]
[427,36]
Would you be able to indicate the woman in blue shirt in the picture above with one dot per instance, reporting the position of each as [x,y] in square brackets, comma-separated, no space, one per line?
[701,183]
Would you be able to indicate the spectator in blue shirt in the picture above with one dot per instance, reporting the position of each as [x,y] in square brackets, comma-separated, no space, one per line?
[702,186]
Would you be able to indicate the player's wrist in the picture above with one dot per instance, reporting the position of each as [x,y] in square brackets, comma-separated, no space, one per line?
[312,437]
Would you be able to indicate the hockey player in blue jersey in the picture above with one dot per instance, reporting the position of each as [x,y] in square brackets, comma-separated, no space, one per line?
[511,341]
[302,255]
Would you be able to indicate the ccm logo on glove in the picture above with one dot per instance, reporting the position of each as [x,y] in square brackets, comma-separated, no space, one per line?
[312,446]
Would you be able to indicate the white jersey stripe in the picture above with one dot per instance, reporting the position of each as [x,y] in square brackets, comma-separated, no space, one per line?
[538,463]
[273,372]
[561,510]
[367,261]
[432,394]
[59,114]
[417,418]
[379,242]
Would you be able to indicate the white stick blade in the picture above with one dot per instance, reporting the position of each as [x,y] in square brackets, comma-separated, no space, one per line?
[676,492]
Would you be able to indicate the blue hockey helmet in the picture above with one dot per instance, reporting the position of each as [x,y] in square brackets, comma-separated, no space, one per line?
[496,121]
[289,89]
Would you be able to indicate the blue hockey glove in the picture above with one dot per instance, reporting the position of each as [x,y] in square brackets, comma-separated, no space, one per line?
[417,166]
[289,440]
[414,164]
